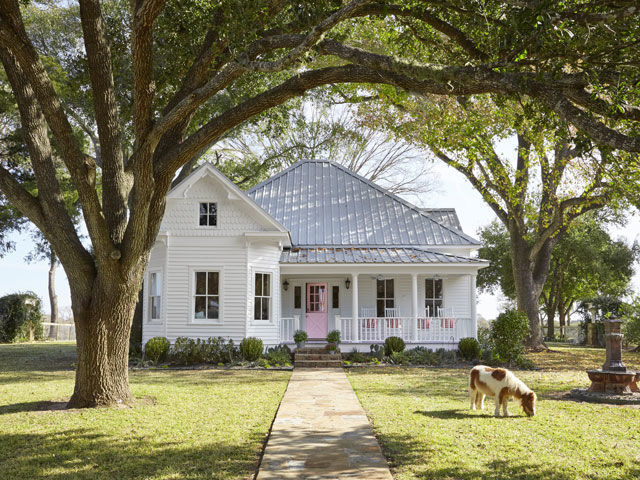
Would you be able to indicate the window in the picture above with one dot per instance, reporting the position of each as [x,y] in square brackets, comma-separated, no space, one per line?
[155,295]
[335,296]
[297,297]
[433,296]
[208,214]
[262,296]
[384,296]
[207,296]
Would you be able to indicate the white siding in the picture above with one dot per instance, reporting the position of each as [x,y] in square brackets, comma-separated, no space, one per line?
[457,295]
[154,328]
[264,259]
[222,248]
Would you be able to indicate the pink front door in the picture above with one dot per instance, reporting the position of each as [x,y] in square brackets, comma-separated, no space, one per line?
[317,310]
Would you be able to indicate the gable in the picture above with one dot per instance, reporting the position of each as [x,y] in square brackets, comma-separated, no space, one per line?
[236,213]
[323,203]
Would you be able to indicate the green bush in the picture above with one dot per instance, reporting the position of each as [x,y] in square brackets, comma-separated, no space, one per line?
[334,337]
[393,344]
[508,333]
[400,358]
[484,338]
[300,336]
[156,349]
[20,318]
[447,357]
[469,348]
[251,349]
[213,350]
[631,319]
[280,355]
[377,351]
[355,356]
[422,356]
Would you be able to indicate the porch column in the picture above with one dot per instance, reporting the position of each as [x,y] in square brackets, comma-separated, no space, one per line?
[474,319]
[354,307]
[414,306]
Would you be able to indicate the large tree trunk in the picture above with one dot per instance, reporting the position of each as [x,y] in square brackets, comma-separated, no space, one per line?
[102,334]
[53,298]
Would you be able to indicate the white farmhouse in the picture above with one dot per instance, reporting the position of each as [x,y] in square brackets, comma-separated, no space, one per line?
[316,247]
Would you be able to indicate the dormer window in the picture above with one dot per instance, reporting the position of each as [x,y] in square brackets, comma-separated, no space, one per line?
[208,214]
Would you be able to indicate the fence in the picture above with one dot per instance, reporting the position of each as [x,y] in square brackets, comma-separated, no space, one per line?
[61,331]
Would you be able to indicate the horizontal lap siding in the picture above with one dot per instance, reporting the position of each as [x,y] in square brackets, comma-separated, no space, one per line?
[264,258]
[156,262]
[457,295]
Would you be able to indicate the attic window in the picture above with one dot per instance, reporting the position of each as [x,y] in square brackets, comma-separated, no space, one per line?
[208,214]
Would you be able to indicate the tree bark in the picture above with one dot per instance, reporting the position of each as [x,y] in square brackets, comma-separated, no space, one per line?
[103,325]
[53,298]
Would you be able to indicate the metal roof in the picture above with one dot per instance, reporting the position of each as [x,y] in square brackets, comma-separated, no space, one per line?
[445,216]
[368,255]
[324,203]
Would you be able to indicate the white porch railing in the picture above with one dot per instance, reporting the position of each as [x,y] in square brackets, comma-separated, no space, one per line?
[288,326]
[410,329]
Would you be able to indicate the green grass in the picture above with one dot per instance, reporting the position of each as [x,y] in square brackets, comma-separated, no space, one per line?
[425,427]
[185,425]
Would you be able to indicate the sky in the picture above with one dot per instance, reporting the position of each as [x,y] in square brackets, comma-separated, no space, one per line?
[452,190]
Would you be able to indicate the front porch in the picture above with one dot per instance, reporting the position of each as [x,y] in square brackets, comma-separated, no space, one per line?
[423,306]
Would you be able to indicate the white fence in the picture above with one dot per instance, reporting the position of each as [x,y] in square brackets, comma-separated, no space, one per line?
[61,331]
[410,329]
[288,326]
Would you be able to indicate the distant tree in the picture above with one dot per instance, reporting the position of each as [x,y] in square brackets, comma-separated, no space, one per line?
[630,314]
[585,264]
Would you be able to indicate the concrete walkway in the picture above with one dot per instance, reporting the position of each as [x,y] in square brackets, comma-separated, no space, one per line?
[322,432]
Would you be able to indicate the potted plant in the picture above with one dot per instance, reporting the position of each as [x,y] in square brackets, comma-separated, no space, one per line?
[333,340]
[300,336]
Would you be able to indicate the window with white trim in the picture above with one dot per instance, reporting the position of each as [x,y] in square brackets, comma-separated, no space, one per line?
[432,296]
[207,296]
[155,295]
[385,297]
[208,214]
[262,296]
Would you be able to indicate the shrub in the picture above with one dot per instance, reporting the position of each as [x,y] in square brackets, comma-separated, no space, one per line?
[469,348]
[156,349]
[422,356]
[400,358]
[300,336]
[393,344]
[631,318]
[334,337]
[186,351]
[484,338]
[377,352]
[280,355]
[20,318]
[446,356]
[508,333]
[251,349]
[356,357]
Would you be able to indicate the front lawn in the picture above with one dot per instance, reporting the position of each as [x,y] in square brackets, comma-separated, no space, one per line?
[185,425]
[426,430]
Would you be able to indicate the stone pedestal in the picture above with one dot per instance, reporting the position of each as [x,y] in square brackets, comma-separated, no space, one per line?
[614,377]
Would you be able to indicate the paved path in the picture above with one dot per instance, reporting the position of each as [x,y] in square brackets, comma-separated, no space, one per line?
[322,432]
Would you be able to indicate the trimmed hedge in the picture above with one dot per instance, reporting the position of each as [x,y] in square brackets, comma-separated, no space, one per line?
[469,348]
[20,318]
[393,344]
[251,348]
[157,349]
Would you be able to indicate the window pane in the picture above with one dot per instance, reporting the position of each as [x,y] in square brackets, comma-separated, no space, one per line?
[258,284]
[265,309]
[155,307]
[212,307]
[213,220]
[389,304]
[438,289]
[154,288]
[428,290]
[266,291]
[201,283]
[437,304]
[380,288]
[213,208]
[257,308]
[389,288]
[203,209]
[200,310]
[203,220]
[212,285]
[380,308]
[297,297]
[335,297]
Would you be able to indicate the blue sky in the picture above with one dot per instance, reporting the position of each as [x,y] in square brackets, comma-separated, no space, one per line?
[452,191]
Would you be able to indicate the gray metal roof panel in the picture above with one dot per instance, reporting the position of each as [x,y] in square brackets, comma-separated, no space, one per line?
[324,255]
[445,216]
[323,203]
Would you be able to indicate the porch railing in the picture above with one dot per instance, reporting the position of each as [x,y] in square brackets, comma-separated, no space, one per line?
[288,326]
[410,329]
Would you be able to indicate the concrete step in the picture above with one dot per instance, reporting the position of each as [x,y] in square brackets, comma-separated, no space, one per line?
[318,349]
[318,364]
[318,356]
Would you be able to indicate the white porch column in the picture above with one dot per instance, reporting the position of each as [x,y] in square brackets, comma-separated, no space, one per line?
[414,306]
[474,319]
[354,307]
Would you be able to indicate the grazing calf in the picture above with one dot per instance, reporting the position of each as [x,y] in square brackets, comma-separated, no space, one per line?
[501,384]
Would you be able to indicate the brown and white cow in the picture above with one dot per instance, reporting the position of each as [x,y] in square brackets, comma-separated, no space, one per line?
[501,384]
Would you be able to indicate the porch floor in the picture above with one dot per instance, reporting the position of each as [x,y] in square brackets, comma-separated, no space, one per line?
[321,431]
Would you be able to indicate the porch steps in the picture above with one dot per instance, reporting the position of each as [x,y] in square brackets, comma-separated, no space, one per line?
[316,357]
